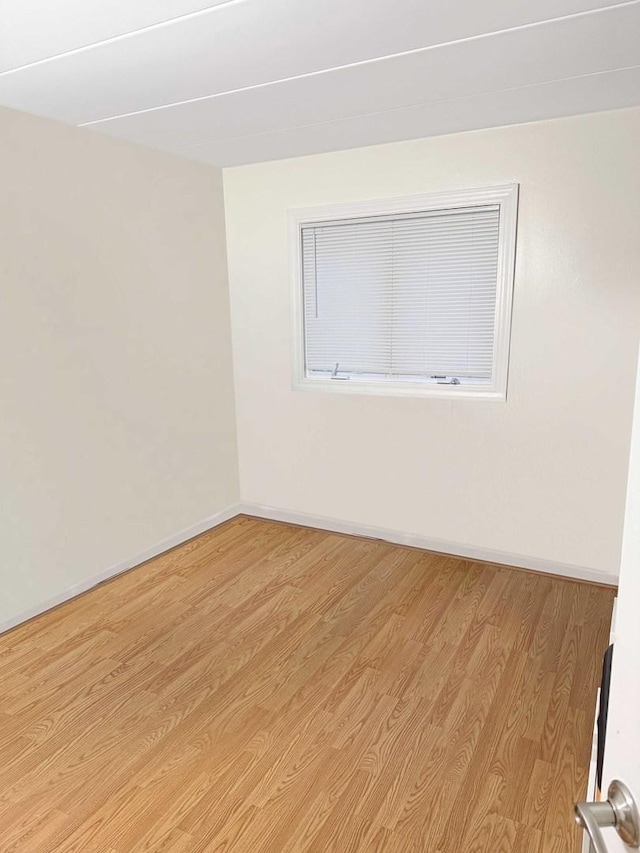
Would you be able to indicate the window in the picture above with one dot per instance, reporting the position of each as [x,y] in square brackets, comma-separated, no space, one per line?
[406,296]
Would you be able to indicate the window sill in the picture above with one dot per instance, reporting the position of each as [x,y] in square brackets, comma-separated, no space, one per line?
[400,389]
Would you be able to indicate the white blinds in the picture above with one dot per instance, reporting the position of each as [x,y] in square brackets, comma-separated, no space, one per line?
[410,297]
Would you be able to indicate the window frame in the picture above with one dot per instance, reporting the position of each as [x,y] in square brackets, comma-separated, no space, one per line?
[504,195]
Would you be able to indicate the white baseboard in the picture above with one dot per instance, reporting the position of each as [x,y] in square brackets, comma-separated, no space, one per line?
[485,555]
[112,571]
[335,525]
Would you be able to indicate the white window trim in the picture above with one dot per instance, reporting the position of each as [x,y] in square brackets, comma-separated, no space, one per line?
[505,195]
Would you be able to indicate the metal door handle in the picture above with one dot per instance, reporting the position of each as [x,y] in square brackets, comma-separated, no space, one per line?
[619,810]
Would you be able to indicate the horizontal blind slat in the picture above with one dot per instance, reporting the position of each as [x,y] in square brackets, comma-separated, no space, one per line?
[412,295]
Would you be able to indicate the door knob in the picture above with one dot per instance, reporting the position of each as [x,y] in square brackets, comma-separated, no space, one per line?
[619,810]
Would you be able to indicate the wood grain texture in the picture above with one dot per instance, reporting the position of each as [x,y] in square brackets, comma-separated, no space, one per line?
[276,689]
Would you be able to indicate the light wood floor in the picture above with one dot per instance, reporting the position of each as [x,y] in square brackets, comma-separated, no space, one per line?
[272,688]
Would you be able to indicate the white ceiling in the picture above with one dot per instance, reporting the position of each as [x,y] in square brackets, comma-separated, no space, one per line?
[238,81]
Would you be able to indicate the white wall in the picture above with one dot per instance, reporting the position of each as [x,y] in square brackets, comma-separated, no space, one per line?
[542,475]
[116,394]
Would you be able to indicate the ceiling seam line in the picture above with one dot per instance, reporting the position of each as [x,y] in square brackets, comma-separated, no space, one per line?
[360,63]
[120,37]
[408,107]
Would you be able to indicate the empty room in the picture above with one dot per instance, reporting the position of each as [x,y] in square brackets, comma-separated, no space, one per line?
[319,467]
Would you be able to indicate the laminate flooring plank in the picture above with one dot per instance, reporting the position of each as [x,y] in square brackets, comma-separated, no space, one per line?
[268,688]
